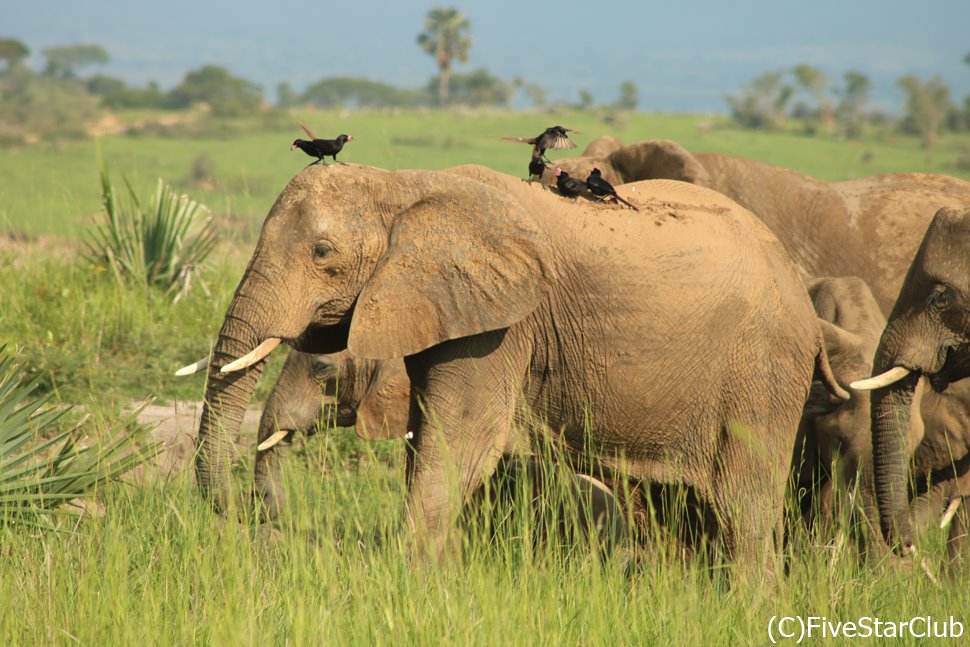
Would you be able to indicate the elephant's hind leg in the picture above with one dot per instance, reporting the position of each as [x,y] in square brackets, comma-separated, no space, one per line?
[747,498]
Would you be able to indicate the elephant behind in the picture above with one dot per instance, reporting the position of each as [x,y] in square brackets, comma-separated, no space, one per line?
[676,346]
[869,227]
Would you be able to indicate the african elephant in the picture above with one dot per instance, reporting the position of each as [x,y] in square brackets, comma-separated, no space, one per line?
[927,335]
[852,325]
[869,227]
[677,345]
[371,396]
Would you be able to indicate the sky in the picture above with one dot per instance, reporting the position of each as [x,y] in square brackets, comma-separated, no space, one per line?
[683,56]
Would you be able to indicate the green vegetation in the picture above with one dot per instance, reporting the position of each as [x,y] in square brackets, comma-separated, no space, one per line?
[160,564]
[44,465]
[55,189]
[445,37]
[161,245]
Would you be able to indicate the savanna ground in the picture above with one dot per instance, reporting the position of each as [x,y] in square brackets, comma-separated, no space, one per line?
[157,565]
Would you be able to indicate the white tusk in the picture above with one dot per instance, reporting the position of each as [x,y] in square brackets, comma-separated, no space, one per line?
[950,511]
[272,440]
[595,482]
[894,374]
[252,356]
[195,367]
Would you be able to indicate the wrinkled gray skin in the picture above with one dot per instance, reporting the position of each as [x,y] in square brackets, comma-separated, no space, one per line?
[519,312]
[315,391]
[928,332]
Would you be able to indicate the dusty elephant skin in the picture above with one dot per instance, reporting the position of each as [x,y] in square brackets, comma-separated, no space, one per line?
[869,227]
[927,334]
[681,335]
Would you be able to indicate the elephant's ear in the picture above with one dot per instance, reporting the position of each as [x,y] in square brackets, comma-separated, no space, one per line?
[383,411]
[658,160]
[463,259]
[847,362]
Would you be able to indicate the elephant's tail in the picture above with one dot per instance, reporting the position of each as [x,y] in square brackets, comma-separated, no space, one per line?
[823,370]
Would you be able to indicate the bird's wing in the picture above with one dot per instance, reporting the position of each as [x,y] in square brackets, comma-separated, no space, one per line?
[560,142]
[307,130]
[522,140]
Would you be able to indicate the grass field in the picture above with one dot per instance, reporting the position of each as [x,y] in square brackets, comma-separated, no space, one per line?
[54,189]
[160,567]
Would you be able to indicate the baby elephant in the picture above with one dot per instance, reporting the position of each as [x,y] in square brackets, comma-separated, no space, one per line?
[374,397]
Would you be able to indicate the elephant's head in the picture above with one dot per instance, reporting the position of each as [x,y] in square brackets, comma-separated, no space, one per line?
[337,389]
[926,335]
[385,264]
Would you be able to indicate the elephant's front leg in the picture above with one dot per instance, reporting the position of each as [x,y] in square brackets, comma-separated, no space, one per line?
[463,398]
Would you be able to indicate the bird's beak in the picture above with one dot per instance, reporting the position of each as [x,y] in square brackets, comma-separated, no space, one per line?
[350,138]
[293,146]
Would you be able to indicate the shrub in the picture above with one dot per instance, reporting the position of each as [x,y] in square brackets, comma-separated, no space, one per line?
[162,245]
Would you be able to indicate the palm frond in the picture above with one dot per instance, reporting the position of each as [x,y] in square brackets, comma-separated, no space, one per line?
[162,245]
[42,464]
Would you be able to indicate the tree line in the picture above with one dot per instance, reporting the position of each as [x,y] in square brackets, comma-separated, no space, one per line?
[805,95]
[58,98]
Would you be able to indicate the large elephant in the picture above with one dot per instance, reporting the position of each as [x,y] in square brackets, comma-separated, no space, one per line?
[869,227]
[676,344]
[928,335]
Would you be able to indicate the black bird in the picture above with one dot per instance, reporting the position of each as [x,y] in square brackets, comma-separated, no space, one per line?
[321,148]
[536,167]
[568,186]
[554,137]
[603,189]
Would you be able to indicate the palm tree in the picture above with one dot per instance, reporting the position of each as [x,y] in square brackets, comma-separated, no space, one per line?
[445,37]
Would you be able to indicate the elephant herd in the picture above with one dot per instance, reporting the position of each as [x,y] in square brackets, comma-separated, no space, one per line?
[700,342]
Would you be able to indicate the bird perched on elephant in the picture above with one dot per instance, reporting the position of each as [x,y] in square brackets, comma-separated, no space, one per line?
[554,137]
[927,336]
[868,227]
[520,314]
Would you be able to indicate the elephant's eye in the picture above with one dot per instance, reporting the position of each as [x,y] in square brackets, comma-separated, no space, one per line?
[323,371]
[942,297]
[321,250]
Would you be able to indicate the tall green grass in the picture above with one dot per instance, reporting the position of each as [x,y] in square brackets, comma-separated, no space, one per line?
[85,336]
[160,566]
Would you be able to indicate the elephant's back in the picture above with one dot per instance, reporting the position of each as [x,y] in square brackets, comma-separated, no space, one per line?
[691,255]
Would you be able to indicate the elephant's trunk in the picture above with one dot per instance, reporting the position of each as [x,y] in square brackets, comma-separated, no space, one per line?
[890,430]
[268,478]
[226,396]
